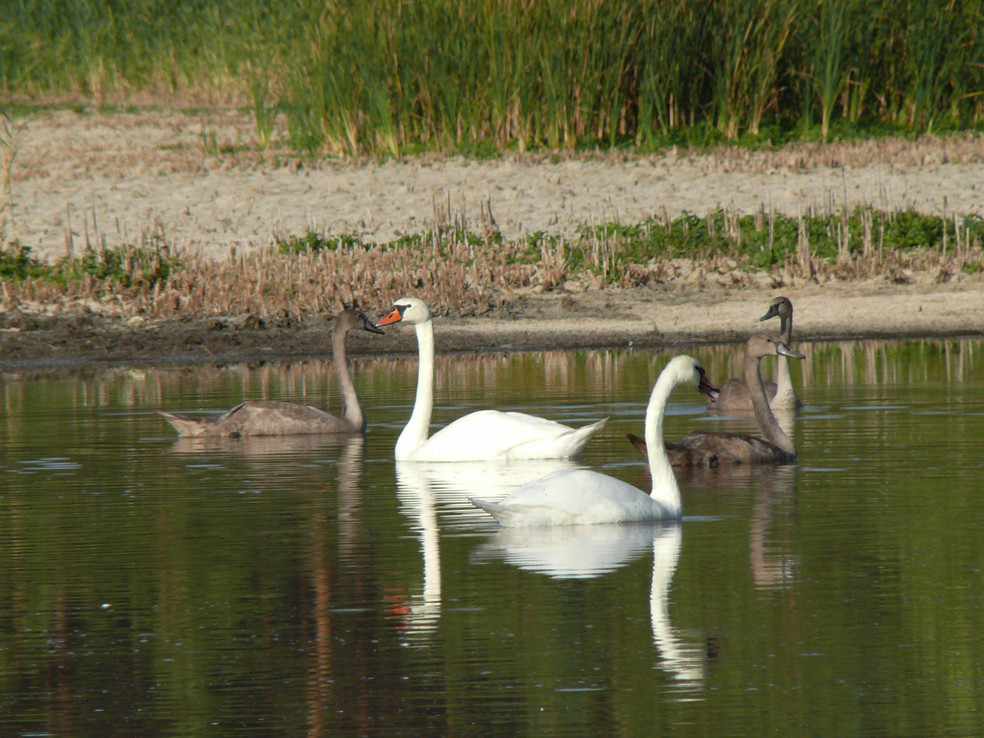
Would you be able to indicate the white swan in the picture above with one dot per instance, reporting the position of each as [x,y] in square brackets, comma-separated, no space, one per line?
[584,497]
[453,484]
[478,436]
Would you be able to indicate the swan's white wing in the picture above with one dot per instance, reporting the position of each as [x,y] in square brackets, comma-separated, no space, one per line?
[492,434]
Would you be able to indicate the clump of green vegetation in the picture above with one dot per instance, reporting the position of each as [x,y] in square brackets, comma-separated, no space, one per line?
[389,78]
[621,254]
[127,267]
[16,263]
[138,267]
[768,240]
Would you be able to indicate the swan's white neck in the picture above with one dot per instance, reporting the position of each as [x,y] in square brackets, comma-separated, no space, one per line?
[417,429]
[665,491]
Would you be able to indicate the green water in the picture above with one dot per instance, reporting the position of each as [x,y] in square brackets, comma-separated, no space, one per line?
[288,587]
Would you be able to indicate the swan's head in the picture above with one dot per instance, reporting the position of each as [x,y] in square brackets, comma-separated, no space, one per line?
[688,369]
[780,308]
[351,319]
[407,310]
[760,346]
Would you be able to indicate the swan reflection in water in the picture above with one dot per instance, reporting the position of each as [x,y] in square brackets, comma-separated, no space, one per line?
[589,551]
[423,487]
[264,446]
[422,612]
[773,565]
[298,454]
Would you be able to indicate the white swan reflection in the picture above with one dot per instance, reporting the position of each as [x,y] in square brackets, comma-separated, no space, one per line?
[589,551]
[413,491]
[452,484]
[423,487]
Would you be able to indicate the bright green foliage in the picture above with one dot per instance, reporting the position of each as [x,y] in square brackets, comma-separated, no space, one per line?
[128,267]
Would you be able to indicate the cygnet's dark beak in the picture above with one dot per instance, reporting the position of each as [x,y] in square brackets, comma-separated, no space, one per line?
[784,350]
[705,387]
[368,325]
[773,312]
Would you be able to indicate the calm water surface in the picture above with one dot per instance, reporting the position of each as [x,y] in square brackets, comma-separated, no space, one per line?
[311,586]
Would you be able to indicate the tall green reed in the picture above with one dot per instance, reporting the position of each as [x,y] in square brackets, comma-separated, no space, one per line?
[830,77]
[395,76]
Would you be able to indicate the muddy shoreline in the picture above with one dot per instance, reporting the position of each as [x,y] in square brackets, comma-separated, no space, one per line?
[640,318]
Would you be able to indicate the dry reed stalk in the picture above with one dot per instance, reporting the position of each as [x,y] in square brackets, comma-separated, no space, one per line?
[8,152]
[803,249]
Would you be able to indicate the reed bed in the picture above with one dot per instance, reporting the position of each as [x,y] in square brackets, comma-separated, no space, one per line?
[387,77]
[465,272]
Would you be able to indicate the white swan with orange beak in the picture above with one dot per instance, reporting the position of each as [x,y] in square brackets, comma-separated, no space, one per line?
[478,436]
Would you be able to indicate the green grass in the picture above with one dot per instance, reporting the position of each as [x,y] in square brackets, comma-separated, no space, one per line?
[389,77]
[17,264]
[759,241]
[136,267]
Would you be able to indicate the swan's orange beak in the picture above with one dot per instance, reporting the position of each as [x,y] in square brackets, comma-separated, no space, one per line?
[390,318]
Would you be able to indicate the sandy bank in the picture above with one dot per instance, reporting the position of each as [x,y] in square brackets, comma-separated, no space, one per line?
[114,176]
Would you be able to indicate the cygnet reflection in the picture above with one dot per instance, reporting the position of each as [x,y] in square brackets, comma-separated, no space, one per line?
[773,489]
[264,446]
[773,565]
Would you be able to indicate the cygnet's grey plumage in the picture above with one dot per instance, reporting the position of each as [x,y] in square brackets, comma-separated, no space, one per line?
[716,449]
[735,395]
[274,418]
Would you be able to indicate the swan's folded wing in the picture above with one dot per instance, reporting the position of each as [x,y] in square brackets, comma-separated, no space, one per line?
[488,434]
[570,497]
